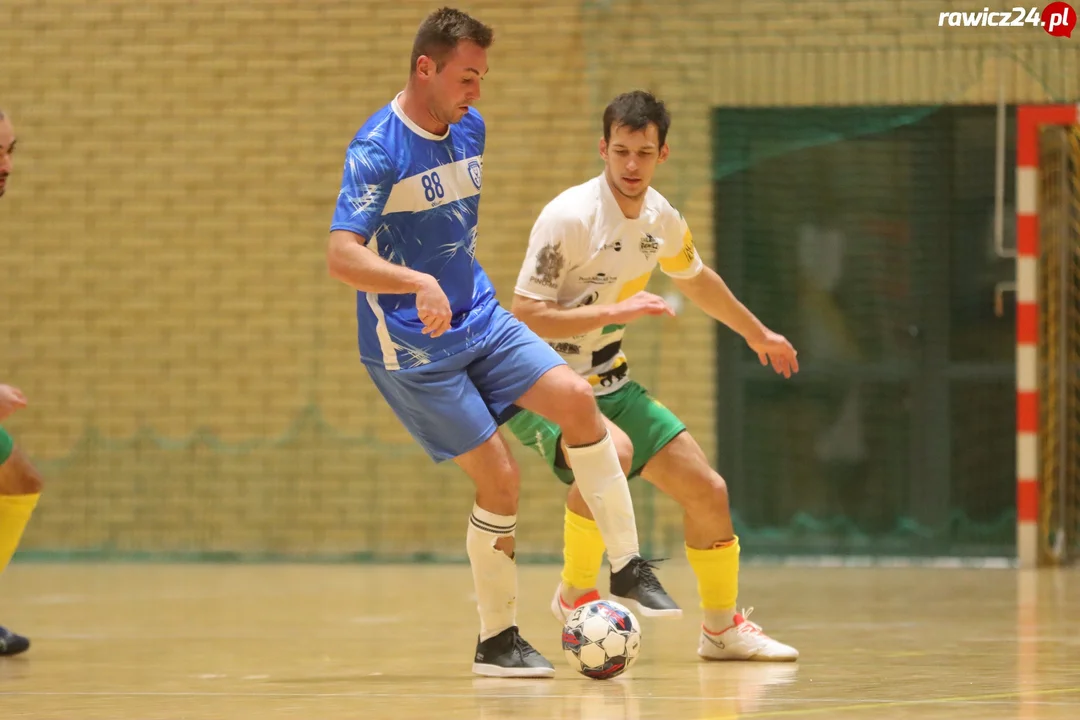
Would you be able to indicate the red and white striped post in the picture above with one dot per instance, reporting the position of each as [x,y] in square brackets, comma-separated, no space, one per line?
[1029,118]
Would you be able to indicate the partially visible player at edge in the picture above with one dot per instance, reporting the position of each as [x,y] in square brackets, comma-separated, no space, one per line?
[590,255]
[20,484]
[452,364]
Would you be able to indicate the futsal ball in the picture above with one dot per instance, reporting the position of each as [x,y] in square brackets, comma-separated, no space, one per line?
[601,639]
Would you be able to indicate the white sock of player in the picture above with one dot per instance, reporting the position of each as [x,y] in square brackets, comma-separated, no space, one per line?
[600,479]
[494,573]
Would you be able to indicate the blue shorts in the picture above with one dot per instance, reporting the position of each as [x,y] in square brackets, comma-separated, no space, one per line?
[454,404]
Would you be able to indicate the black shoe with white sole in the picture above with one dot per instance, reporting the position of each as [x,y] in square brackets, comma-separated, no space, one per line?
[637,587]
[508,655]
[12,644]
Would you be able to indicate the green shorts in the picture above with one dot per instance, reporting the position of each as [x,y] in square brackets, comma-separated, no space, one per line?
[649,425]
[6,445]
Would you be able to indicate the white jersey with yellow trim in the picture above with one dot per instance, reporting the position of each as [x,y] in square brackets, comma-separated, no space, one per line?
[584,251]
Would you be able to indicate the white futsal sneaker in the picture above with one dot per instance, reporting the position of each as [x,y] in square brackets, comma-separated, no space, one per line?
[561,609]
[744,640]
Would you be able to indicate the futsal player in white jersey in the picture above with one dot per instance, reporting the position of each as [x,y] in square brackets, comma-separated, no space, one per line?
[590,256]
[449,360]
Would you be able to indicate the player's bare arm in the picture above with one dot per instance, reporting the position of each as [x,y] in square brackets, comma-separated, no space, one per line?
[551,320]
[709,292]
[349,260]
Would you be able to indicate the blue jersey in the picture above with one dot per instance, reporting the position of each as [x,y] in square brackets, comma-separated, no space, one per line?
[414,197]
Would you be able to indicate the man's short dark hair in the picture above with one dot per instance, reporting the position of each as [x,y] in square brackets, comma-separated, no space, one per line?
[636,110]
[442,30]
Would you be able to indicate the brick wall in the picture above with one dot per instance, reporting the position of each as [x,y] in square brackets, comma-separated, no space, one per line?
[192,370]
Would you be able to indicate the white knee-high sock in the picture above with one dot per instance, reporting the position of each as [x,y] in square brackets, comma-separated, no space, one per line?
[494,573]
[600,479]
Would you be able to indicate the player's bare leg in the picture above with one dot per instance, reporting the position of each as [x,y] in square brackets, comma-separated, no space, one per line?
[566,399]
[20,487]
[682,471]
[500,649]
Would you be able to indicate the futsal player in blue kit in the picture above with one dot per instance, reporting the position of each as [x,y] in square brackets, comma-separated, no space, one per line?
[449,360]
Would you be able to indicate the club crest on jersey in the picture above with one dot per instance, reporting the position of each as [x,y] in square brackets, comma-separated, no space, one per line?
[475,173]
[649,245]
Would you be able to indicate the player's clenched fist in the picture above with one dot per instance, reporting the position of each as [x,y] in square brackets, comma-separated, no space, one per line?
[432,307]
[10,400]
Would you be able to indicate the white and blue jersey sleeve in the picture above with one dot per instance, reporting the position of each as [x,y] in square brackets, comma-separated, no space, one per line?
[365,187]
[414,197]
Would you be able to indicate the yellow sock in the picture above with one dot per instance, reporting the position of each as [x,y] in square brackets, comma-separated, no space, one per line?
[583,551]
[717,571]
[15,512]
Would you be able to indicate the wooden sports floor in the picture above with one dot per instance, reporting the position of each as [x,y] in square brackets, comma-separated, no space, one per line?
[179,642]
